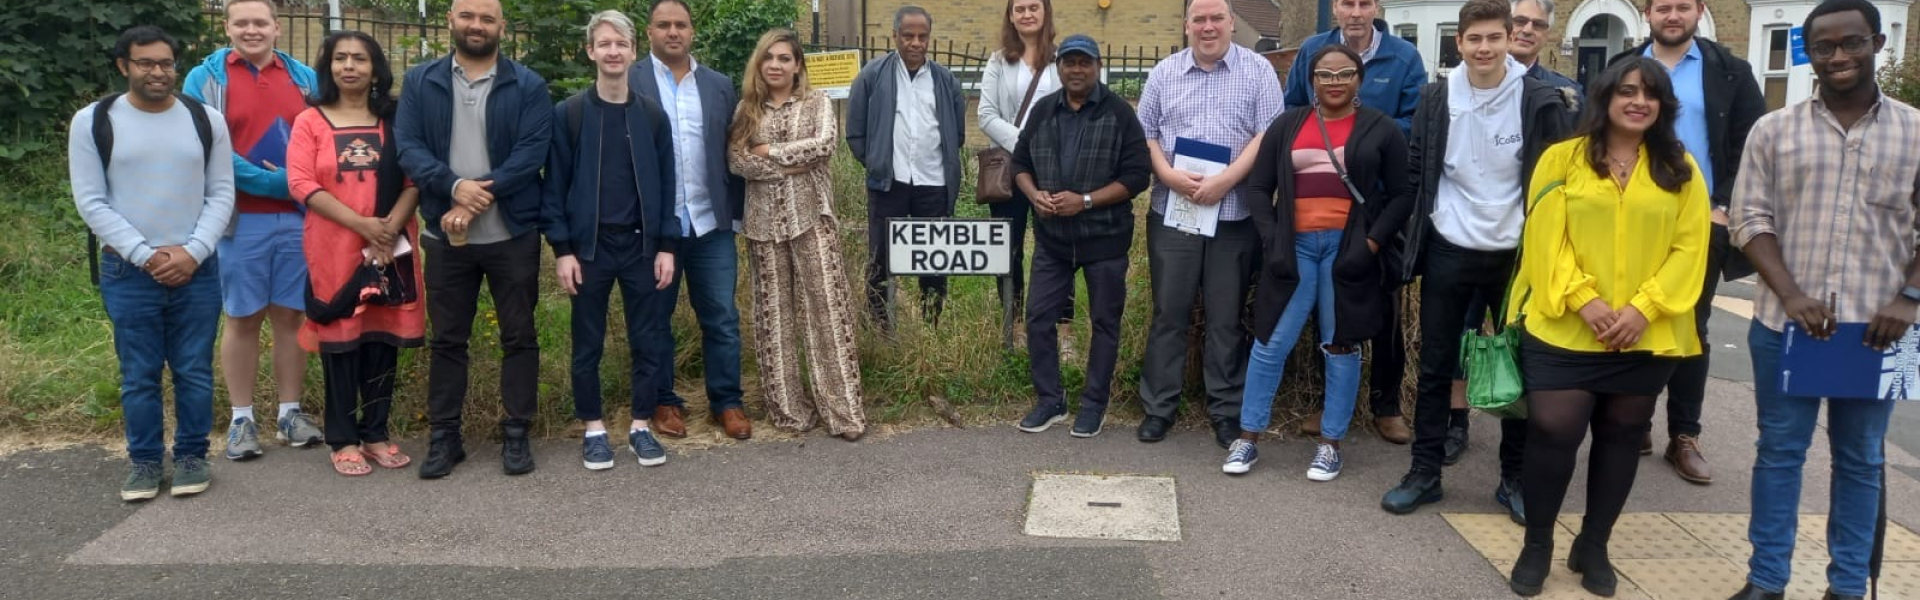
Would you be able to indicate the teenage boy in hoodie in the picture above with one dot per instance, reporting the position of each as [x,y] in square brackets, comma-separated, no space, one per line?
[1394,76]
[264,277]
[1719,103]
[1475,141]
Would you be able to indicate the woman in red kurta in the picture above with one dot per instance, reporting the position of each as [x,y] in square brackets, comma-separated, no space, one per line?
[363,279]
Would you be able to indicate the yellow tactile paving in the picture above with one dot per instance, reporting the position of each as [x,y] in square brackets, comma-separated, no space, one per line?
[1565,585]
[1688,556]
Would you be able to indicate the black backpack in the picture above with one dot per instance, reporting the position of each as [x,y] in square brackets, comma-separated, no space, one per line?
[103,142]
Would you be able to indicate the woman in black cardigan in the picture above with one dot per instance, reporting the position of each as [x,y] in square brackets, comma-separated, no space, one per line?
[1323,247]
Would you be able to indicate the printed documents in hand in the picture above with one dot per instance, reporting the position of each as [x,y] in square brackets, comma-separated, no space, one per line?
[1843,367]
[1206,160]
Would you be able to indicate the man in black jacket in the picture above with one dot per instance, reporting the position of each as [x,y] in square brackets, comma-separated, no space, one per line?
[1719,102]
[1470,172]
[1082,158]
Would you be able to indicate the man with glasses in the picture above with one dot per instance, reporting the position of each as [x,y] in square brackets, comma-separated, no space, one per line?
[1475,140]
[158,191]
[1826,208]
[1532,22]
[1719,102]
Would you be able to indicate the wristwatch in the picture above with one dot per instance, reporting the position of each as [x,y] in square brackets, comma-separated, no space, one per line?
[1910,293]
[1086,203]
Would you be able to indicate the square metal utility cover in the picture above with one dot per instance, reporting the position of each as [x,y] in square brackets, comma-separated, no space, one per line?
[1103,507]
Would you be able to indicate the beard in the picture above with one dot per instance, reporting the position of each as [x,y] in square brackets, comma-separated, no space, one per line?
[1660,35]
[468,47]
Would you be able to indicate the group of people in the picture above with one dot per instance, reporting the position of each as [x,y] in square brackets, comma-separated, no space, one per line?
[1598,222]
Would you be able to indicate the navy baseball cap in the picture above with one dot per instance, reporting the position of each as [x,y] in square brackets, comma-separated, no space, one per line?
[1080,43]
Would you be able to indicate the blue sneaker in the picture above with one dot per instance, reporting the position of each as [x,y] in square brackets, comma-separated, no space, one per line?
[243,440]
[1240,457]
[648,449]
[1087,423]
[596,453]
[1326,464]
[1508,495]
[1042,417]
[298,430]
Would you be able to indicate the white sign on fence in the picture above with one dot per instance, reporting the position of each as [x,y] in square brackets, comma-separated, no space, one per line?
[949,246]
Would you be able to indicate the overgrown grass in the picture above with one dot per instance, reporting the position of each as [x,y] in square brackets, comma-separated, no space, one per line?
[58,372]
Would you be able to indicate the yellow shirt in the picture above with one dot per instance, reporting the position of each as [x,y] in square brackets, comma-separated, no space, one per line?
[1587,239]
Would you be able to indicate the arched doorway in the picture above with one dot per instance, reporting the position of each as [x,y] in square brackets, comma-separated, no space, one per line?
[1601,36]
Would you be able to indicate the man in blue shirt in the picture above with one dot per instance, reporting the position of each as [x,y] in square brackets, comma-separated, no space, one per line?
[1719,102]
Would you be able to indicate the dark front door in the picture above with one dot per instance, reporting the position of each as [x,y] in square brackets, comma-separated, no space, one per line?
[1592,62]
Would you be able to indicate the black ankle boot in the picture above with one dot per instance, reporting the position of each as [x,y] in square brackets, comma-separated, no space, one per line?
[516,452]
[1589,559]
[1530,571]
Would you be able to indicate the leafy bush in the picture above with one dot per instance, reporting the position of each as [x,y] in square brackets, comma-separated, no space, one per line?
[728,29]
[58,56]
[1901,80]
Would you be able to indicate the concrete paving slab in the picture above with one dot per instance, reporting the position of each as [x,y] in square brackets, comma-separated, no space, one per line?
[1726,534]
[1684,578]
[1104,507]
[1563,584]
[1498,538]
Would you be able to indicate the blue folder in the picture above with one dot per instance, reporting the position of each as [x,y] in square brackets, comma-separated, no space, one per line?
[1843,367]
[272,146]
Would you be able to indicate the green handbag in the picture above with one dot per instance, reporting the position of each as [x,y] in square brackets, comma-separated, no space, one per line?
[1491,361]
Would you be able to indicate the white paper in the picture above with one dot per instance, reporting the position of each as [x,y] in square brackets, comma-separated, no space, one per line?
[1182,213]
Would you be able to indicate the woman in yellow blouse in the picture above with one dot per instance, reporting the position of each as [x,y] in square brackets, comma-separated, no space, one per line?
[783,134]
[1612,261]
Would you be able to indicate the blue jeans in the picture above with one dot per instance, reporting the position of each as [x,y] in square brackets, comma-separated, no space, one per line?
[619,260]
[710,266]
[156,327]
[1856,429]
[1315,251]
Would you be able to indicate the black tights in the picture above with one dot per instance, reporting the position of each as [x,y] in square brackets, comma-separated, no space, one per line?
[1559,420]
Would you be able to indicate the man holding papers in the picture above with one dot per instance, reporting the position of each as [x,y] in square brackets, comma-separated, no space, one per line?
[1198,236]
[1825,208]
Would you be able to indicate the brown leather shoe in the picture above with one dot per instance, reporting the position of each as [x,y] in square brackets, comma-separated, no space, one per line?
[1310,426]
[1393,429]
[735,422]
[1683,452]
[1646,444]
[670,421]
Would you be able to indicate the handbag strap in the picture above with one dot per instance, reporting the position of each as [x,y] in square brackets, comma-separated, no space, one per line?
[1337,167]
[1033,86]
[1520,251]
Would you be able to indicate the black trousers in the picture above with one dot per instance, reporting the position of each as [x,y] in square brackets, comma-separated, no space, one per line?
[1052,291]
[901,201]
[1687,391]
[1389,361]
[359,394]
[511,271]
[1019,210]
[1452,278]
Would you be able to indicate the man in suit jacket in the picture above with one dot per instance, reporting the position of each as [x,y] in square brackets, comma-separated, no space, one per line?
[709,200]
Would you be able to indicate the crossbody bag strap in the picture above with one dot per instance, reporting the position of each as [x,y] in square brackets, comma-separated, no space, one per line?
[1331,157]
[1033,86]
[1520,251]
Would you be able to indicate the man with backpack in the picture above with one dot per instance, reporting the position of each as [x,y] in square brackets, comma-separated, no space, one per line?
[159,202]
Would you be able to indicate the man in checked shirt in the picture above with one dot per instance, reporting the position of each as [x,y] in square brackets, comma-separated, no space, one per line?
[1825,207]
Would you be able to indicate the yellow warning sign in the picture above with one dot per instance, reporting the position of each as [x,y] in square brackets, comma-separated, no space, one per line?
[833,72]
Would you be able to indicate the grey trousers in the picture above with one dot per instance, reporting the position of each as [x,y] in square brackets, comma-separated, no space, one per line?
[1221,270]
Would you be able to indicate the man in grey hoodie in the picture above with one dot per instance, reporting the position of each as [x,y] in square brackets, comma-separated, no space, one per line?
[905,116]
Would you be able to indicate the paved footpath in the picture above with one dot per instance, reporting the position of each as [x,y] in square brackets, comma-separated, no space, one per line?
[936,513]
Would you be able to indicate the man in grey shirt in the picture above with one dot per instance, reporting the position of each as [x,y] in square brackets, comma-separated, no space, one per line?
[473,132]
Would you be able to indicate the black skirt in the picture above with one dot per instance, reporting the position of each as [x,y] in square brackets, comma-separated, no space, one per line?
[1547,367]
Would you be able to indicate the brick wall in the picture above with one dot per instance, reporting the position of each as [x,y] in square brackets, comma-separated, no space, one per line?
[977,22]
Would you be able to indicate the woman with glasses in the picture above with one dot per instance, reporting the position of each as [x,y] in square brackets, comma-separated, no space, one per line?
[1611,261]
[1330,190]
[363,292]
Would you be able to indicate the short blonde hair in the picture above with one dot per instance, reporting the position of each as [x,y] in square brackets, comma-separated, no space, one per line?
[621,24]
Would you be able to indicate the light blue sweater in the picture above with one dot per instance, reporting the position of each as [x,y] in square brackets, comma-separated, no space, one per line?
[161,191]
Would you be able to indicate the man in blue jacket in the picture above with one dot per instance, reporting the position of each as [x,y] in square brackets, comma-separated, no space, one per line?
[1394,76]
[1394,70]
[905,116]
[260,90]
[608,213]
[709,199]
[473,134]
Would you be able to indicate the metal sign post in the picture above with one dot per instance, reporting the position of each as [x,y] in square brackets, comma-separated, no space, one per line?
[953,246]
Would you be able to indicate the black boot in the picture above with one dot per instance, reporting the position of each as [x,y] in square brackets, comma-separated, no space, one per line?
[1589,559]
[516,453]
[1753,593]
[444,450]
[1530,571]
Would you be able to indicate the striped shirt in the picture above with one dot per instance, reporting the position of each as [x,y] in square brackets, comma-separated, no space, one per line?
[1842,202]
[1227,105]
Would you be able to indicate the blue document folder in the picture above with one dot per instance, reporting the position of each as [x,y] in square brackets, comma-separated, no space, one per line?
[1843,367]
[272,146]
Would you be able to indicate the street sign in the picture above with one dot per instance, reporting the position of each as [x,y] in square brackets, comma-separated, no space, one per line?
[833,72]
[1797,40]
[949,246]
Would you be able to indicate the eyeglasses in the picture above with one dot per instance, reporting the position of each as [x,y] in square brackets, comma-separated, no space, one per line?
[152,66]
[1532,23]
[1336,77]
[1853,44]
